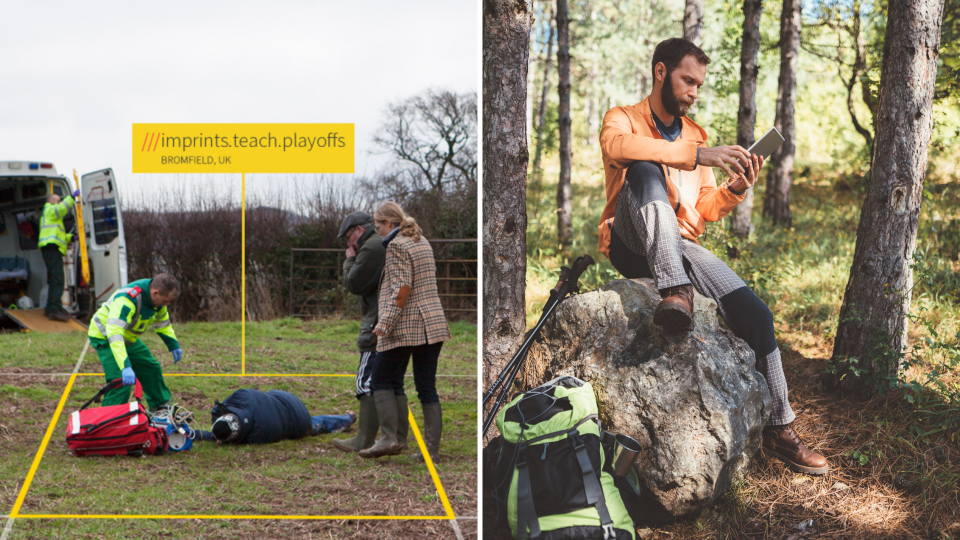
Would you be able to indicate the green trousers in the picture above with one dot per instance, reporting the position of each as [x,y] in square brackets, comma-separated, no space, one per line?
[53,260]
[144,365]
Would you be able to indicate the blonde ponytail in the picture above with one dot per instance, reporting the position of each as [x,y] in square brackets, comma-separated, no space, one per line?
[409,227]
[391,213]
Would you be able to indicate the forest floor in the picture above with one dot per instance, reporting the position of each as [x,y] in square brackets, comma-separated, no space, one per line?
[895,465]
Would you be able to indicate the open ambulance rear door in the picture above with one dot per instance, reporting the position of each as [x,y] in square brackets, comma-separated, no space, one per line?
[106,244]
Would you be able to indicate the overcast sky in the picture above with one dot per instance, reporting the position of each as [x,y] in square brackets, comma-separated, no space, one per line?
[76,75]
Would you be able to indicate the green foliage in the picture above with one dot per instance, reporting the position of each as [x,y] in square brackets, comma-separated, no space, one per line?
[883,368]
[948,69]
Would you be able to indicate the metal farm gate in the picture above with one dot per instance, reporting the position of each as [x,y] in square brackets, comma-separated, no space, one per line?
[318,275]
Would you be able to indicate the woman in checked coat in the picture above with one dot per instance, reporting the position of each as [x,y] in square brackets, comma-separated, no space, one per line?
[411,323]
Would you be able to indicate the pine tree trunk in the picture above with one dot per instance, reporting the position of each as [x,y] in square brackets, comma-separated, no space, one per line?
[542,109]
[506,42]
[693,21]
[564,209]
[873,321]
[747,115]
[777,203]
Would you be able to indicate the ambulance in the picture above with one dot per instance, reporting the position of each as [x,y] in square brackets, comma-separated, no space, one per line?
[24,187]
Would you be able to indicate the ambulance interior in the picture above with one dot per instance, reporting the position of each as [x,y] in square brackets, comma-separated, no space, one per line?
[22,271]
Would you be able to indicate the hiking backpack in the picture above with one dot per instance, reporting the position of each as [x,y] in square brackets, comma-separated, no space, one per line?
[552,478]
[114,430]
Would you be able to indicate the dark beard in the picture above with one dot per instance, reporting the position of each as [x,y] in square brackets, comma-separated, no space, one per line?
[669,99]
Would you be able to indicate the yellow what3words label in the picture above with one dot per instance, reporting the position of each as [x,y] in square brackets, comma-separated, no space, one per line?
[246,148]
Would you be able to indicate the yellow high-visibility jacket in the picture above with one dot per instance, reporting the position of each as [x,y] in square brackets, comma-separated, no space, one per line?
[51,224]
[123,318]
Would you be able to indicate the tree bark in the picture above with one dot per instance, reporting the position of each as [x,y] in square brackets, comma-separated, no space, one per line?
[873,322]
[747,115]
[693,21]
[542,109]
[777,200]
[506,41]
[564,209]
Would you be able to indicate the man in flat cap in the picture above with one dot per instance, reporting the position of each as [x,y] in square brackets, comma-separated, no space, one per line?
[366,256]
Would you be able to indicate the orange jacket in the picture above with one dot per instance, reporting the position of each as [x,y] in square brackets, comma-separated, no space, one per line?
[628,135]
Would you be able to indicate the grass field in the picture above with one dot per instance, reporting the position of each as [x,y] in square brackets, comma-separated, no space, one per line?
[308,477]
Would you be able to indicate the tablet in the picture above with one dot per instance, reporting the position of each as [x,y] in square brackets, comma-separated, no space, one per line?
[770,141]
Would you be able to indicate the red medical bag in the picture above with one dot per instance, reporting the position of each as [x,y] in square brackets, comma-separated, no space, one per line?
[115,430]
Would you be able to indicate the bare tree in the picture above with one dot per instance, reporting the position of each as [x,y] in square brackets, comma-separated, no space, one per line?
[693,21]
[542,107]
[506,39]
[564,207]
[835,15]
[747,114]
[777,201]
[433,138]
[872,327]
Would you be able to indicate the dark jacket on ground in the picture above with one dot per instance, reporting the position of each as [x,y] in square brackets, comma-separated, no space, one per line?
[266,417]
[361,276]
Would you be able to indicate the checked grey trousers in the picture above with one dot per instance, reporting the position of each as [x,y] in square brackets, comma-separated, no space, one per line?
[646,242]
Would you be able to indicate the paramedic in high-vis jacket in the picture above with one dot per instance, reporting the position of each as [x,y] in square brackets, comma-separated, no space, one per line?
[115,332]
[53,246]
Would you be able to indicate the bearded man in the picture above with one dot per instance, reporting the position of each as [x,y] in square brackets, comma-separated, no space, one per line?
[660,193]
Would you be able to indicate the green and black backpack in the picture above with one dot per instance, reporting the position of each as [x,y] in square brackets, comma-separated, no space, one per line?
[552,479]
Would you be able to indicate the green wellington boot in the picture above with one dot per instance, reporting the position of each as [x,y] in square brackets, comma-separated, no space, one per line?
[367,432]
[387,444]
[403,420]
[432,429]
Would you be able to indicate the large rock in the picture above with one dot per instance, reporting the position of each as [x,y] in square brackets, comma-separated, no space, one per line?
[693,400]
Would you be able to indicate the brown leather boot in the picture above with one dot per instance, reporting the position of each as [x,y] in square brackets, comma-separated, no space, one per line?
[675,311]
[783,443]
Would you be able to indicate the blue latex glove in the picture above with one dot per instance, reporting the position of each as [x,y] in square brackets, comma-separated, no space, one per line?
[129,377]
[177,355]
[76,193]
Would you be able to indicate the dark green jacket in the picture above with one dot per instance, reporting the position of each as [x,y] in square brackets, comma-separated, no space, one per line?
[361,276]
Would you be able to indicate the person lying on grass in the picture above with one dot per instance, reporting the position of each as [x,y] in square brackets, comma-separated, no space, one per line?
[250,416]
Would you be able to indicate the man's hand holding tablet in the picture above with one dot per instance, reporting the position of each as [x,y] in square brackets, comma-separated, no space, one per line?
[742,166]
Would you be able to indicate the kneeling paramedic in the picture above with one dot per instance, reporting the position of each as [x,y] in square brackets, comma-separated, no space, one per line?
[250,416]
[115,332]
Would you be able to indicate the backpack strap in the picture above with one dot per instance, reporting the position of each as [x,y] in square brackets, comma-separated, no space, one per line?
[116,383]
[573,429]
[608,443]
[591,486]
[526,513]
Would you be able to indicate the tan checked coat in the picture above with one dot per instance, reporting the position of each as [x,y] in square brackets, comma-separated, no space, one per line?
[410,310]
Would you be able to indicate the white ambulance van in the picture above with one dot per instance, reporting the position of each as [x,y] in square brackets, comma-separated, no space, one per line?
[24,187]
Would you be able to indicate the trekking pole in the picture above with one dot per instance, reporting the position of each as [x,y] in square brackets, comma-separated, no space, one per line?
[552,301]
[565,285]
[547,309]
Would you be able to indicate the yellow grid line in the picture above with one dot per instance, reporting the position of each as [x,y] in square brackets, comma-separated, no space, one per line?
[21,496]
[211,516]
[43,447]
[354,375]
[429,462]
[243,273]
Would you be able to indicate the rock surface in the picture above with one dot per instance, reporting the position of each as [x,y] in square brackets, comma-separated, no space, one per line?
[693,400]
